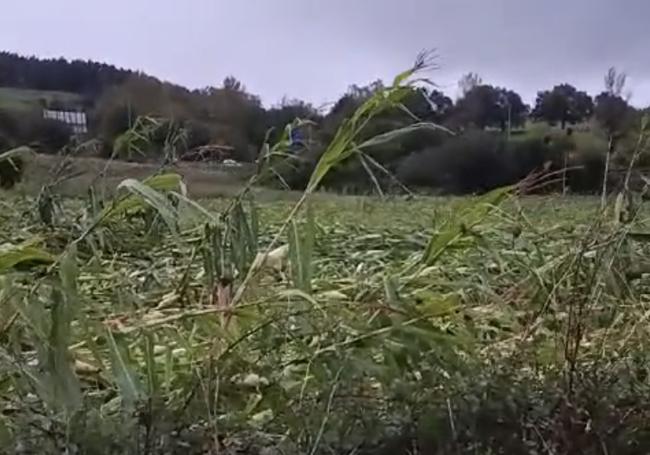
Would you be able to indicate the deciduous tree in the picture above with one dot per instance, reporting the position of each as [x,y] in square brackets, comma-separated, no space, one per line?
[564,104]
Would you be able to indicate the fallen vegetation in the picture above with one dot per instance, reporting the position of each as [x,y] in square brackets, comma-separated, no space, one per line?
[149,322]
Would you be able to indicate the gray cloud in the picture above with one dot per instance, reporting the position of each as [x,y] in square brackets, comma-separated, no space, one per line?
[314,49]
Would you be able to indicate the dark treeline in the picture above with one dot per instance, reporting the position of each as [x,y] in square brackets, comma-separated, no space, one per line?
[497,138]
[77,76]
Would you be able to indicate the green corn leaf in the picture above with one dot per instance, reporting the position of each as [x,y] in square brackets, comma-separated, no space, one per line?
[24,254]
[211,217]
[148,193]
[150,360]
[456,229]
[390,291]
[66,389]
[343,144]
[123,372]
[301,246]
[435,305]
[68,270]
[393,135]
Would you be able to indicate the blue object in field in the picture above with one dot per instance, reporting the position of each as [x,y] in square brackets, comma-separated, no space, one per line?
[295,136]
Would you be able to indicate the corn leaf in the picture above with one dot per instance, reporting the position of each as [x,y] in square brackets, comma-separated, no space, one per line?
[24,254]
[146,193]
[123,373]
[301,246]
[456,229]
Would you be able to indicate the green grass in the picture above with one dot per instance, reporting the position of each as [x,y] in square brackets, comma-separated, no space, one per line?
[27,99]
[205,182]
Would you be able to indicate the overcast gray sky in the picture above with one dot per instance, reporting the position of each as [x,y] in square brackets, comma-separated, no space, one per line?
[314,49]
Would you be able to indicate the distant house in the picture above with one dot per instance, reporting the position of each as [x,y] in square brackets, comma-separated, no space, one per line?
[76,120]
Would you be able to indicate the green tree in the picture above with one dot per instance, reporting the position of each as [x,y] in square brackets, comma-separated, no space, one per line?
[485,105]
[612,110]
[278,117]
[231,83]
[612,113]
[564,104]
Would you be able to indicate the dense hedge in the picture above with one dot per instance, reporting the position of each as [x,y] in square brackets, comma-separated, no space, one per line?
[479,161]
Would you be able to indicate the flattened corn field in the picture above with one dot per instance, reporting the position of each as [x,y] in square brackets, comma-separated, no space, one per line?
[148,323]
[431,319]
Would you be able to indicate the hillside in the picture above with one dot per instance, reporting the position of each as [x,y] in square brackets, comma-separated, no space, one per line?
[137,117]
[77,76]
[19,99]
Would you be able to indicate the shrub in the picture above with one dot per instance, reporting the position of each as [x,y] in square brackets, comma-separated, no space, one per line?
[501,409]
[479,161]
[11,171]
[9,128]
[198,134]
[50,135]
[587,169]
[19,128]
[474,162]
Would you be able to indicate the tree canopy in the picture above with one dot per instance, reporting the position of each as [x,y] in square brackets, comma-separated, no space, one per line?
[564,104]
[77,76]
[487,106]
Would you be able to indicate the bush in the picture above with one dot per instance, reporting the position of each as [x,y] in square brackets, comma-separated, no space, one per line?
[10,129]
[198,134]
[19,128]
[501,409]
[50,135]
[479,161]
[474,162]
[587,169]
[11,172]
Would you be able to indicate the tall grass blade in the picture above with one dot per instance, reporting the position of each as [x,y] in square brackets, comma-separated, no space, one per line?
[301,247]
[123,372]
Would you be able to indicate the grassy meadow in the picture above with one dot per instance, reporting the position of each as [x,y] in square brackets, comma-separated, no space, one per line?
[151,320]
[26,100]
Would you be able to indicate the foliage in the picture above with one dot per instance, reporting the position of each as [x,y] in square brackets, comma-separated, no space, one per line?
[152,323]
[150,136]
[226,121]
[87,78]
[28,127]
[12,166]
[612,110]
[484,105]
[477,162]
[564,104]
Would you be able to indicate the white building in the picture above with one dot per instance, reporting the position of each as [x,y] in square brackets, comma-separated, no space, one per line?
[76,120]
